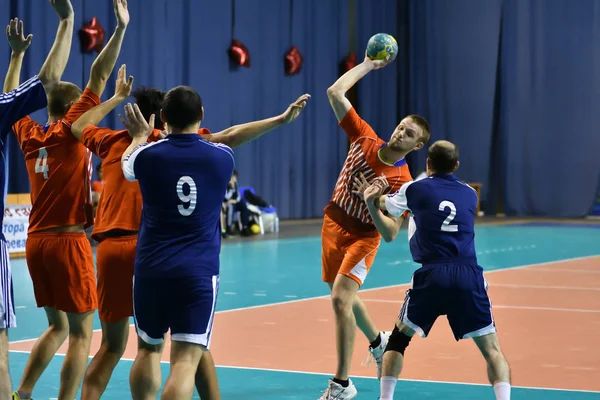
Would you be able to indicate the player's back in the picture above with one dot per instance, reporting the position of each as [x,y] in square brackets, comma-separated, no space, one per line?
[183,179]
[442,229]
[59,169]
[59,173]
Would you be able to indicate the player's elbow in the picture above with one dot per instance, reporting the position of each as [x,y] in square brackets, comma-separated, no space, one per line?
[49,80]
[334,92]
[98,73]
[389,237]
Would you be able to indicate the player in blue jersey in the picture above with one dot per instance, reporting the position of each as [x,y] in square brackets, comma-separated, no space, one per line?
[27,98]
[449,282]
[179,240]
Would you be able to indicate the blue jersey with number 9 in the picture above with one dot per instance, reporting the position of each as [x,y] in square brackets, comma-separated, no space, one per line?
[183,179]
[443,210]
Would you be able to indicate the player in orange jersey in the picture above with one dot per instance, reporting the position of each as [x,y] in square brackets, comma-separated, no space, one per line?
[118,219]
[350,240]
[59,256]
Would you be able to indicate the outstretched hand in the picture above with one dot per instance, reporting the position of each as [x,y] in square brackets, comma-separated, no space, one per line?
[295,108]
[16,37]
[376,64]
[135,123]
[123,85]
[121,12]
[365,190]
[63,8]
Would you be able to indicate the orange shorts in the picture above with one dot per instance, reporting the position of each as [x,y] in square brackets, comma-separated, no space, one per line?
[345,253]
[115,258]
[61,266]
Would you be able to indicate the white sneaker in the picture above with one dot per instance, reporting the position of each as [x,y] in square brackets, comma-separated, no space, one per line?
[335,391]
[377,353]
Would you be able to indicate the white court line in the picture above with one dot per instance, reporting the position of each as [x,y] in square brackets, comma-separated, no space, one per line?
[366,290]
[518,286]
[360,376]
[402,284]
[501,306]
[579,271]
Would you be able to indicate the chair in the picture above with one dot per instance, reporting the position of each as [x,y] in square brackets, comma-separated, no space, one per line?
[259,212]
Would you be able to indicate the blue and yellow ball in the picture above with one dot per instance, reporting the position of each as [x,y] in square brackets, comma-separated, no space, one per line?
[382,46]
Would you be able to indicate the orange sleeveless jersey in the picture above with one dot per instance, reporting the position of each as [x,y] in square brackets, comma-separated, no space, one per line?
[345,208]
[120,205]
[59,169]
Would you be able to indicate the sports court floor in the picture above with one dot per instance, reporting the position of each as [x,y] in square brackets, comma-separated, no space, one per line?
[274,332]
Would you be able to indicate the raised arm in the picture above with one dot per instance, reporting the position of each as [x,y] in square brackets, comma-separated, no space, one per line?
[106,60]
[97,114]
[56,62]
[18,44]
[239,135]
[337,92]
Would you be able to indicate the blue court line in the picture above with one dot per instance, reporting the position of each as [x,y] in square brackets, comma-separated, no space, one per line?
[276,384]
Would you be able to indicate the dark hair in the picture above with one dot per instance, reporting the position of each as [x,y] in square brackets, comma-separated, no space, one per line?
[150,101]
[443,156]
[235,173]
[424,125]
[182,107]
[98,167]
[61,97]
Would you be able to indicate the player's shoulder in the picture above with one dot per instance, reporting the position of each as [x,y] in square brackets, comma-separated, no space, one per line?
[468,189]
[213,146]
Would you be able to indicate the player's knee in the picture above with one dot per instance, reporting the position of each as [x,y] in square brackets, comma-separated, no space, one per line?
[342,302]
[489,346]
[59,330]
[398,341]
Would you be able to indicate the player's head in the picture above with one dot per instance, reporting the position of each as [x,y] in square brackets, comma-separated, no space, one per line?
[442,158]
[411,134]
[233,179]
[61,98]
[182,110]
[99,171]
[150,100]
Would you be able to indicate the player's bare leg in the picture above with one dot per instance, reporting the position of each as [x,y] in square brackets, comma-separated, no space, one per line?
[185,358]
[207,382]
[145,376]
[98,373]
[5,385]
[76,359]
[363,320]
[377,339]
[44,349]
[393,359]
[343,294]
[497,366]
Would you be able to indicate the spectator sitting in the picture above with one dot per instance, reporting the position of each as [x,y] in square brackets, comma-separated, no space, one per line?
[232,203]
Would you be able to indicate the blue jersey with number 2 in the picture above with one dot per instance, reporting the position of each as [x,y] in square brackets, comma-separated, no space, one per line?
[183,179]
[442,229]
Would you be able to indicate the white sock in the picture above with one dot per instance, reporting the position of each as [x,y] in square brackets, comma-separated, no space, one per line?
[502,390]
[387,385]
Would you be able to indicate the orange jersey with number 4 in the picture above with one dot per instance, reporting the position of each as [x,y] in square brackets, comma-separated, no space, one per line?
[59,169]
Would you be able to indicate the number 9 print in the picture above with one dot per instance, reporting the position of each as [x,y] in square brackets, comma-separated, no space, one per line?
[189,200]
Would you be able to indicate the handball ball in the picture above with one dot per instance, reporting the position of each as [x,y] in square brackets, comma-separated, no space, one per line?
[382,47]
[255,229]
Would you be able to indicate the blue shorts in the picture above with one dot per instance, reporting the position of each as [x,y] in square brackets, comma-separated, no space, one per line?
[457,291]
[186,306]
